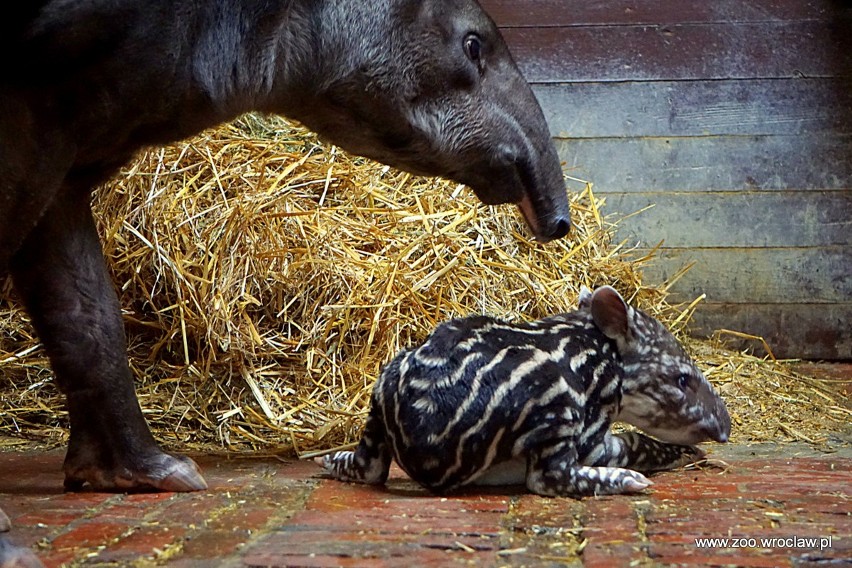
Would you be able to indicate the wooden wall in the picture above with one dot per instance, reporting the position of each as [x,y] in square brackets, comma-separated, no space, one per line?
[734,119]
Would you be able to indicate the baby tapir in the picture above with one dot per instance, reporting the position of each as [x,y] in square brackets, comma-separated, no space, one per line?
[484,401]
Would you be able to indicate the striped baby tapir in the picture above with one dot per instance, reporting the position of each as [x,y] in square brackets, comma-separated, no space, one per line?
[487,402]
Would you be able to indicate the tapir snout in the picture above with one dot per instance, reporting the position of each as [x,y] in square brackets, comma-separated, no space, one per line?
[433,90]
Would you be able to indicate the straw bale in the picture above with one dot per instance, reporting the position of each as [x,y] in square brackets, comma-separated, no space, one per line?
[266,277]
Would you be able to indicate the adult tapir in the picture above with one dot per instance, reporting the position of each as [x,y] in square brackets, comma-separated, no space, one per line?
[428,86]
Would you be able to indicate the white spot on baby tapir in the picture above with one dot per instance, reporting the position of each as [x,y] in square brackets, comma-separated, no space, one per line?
[468,344]
[425,404]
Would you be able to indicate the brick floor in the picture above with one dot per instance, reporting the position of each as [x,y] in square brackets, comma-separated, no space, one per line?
[267,512]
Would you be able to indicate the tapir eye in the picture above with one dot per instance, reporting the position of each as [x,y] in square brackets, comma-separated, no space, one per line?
[473,48]
[683,381]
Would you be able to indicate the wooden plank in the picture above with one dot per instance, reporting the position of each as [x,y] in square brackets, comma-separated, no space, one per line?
[805,275]
[808,331]
[736,219]
[544,13]
[711,163]
[698,108]
[679,52]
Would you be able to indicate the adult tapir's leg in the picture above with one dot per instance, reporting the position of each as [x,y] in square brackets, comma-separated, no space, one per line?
[61,275]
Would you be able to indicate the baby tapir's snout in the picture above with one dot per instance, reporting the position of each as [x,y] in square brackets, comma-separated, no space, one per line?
[677,414]
[717,424]
[663,391]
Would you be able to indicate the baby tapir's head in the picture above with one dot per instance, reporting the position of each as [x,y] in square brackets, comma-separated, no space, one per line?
[663,392]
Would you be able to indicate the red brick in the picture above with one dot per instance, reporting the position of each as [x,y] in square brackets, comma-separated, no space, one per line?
[244,518]
[47,517]
[416,523]
[57,558]
[148,499]
[141,543]
[89,534]
[612,555]
[193,509]
[83,499]
[214,544]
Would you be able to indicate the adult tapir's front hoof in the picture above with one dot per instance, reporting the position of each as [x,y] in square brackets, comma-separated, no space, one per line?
[156,472]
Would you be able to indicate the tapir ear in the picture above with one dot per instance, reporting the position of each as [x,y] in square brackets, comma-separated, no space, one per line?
[585,299]
[611,314]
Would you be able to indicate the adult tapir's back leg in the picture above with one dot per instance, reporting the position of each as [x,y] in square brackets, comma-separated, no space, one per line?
[61,275]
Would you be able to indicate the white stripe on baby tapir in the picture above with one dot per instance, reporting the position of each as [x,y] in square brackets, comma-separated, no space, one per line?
[592,429]
[403,367]
[441,359]
[520,444]
[578,360]
[491,454]
[515,329]
[596,454]
[610,389]
[429,360]
[449,380]
[518,375]
[558,388]
[474,393]
[406,441]
[600,371]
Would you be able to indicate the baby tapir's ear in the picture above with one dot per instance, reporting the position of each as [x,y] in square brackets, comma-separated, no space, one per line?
[611,314]
[585,299]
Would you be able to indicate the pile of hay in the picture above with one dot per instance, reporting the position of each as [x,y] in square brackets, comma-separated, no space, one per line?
[265,278]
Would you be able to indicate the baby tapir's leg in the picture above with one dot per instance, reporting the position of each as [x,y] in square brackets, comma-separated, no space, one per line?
[638,451]
[554,471]
[370,462]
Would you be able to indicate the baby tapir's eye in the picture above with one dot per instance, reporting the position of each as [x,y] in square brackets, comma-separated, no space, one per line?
[473,48]
[683,381]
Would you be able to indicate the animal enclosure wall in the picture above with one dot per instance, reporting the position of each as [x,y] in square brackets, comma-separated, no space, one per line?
[733,119]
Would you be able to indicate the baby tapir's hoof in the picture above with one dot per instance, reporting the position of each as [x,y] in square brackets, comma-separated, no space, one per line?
[157,472]
[339,465]
[613,481]
[634,483]
[588,481]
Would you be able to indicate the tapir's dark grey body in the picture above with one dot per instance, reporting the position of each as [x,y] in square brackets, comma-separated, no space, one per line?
[425,85]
